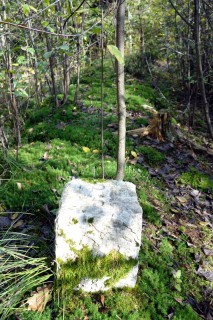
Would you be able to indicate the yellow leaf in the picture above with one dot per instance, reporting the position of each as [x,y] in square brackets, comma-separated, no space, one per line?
[18,224]
[95,151]
[134,154]
[86,149]
[204,223]
[14,216]
[181,199]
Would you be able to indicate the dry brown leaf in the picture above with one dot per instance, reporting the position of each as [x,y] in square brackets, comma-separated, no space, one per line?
[132,161]
[102,299]
[39,299]
[175,210]
[45,156]
[179,300]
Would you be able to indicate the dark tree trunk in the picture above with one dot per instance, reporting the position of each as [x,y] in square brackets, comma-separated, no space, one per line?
[200,76]
[52,73]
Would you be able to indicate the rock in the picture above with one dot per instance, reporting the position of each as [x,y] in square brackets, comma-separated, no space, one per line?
[103,217]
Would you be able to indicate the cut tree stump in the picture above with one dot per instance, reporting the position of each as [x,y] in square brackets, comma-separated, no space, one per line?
[160,127]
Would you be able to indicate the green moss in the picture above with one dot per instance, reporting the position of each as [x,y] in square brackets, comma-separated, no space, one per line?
[197,180]
[88,265]
[152,156]
[90,220]
[149,212]
[75,221]
[185,313]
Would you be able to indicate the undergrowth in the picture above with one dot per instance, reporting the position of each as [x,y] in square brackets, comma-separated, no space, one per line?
[63,144]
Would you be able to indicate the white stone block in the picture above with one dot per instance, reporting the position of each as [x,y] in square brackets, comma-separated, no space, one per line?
[104,217]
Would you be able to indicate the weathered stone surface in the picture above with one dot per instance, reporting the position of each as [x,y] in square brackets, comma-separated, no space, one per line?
[104,217]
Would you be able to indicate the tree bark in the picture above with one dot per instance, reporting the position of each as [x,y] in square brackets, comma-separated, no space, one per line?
[52,73]
[200,76]
[120,91]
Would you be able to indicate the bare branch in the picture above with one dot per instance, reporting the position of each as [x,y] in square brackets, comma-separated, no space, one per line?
[180,15]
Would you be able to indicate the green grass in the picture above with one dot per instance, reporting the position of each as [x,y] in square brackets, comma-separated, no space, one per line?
[19,272]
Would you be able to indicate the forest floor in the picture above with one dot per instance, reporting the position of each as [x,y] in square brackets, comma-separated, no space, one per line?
[174,185]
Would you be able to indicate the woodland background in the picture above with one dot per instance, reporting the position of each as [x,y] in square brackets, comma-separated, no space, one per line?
[57,79]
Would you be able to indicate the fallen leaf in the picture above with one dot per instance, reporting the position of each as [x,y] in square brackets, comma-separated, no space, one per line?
[102,299]
[19,185]
[208,252]
[182,200]
[204,223]
[195,193]
[39,299]
[14,216]
[177,274]
[132,161]
[207,274]
[174,210]
[86,149]
[179,300]
[18,224]
[45,156]
[134,154]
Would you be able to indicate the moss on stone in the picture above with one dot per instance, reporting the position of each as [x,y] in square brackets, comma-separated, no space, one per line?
[87,265]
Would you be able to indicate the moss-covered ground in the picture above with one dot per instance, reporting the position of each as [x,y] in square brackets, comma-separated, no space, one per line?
[64,143]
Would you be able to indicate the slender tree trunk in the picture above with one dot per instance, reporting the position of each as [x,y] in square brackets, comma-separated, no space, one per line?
[13,100]
[120,92]
[52,73]
[3,137]
[79,46]
[78,72]
[34,63]
[200,75]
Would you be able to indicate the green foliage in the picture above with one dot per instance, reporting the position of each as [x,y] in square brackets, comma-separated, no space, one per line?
[152,156]
[197,180]
[116,53]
